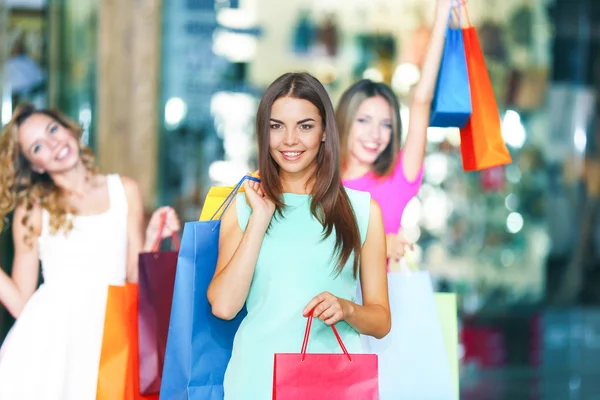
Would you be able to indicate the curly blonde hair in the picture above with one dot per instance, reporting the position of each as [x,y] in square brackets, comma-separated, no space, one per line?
[20,185]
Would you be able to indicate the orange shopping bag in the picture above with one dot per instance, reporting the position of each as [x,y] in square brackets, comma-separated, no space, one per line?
[118,374]
[481,142]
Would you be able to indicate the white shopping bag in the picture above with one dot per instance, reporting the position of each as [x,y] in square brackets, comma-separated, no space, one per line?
[413,362]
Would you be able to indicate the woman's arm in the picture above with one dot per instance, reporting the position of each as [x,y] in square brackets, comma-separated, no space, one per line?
[420,106]
[16,291]
[135,227]
[373,317]
[238,253]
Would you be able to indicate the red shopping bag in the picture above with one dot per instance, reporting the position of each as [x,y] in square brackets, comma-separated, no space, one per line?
[325,376]
[481,142]
[156,282]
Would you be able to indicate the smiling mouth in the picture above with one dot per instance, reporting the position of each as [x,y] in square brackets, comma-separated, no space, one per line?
[370,147]
[63,153]
[291,155]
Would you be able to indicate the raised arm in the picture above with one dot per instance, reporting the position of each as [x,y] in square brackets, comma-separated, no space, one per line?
[420,105]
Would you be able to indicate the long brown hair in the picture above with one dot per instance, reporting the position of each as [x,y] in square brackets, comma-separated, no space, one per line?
[20,185]
[330,203]
[346,115]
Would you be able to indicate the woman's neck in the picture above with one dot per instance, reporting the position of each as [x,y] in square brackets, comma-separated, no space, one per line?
[73,181]
[297,183]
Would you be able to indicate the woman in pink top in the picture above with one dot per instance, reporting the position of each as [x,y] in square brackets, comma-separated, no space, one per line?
[368,119]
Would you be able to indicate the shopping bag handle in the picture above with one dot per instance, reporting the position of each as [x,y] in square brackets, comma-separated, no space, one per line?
[161,227]
[229,199]
[309,319]
[412,266]
[455,9]
[462,4]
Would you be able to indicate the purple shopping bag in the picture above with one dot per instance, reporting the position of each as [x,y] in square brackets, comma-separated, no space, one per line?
[156,282]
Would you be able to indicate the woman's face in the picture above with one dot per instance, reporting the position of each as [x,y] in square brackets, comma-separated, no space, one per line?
[371,130]
[49,146]
[296,134]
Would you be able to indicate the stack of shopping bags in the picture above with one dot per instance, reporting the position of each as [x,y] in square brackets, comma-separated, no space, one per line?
[136,325]
[199,344]
[464,97]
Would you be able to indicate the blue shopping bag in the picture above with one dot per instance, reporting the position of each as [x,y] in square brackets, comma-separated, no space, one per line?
[199,344]
[451,106]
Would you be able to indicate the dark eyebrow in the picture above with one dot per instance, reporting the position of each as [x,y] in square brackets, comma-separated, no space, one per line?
[298,123]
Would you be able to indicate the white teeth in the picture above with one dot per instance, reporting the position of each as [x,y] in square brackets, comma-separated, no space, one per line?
[371,146]
[63,153]
[292,154]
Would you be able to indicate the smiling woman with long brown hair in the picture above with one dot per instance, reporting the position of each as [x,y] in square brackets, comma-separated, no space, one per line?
[297,242]
[86,229]
[370,129]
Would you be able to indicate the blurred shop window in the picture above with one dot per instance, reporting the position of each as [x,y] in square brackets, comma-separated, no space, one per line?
[24,77]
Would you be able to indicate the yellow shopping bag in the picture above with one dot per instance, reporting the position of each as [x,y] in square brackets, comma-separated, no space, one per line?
[215,197]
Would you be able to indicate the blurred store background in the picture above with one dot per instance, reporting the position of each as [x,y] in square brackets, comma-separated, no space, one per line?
[167,91]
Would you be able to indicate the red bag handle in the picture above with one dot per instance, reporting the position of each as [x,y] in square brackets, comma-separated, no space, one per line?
[307,335]
[161,227]
[463,5]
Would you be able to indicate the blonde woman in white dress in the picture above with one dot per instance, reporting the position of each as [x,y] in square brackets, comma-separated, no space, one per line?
[87,230]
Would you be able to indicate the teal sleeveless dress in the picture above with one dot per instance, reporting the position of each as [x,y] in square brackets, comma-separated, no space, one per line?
[294,265]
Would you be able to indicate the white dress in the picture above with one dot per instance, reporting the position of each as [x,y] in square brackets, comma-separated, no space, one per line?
[53,350]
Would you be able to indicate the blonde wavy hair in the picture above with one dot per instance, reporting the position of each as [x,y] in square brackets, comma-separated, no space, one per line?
[20,185]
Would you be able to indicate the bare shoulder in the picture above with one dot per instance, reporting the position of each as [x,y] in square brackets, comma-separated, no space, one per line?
[130,184]
[375,211]
[132,189]
[376,228]
[99,180]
